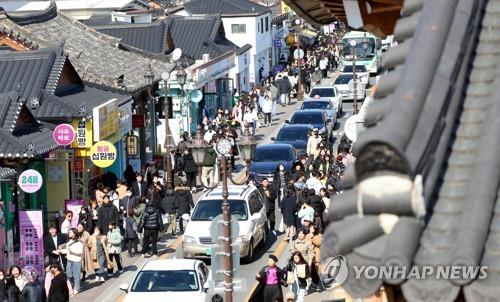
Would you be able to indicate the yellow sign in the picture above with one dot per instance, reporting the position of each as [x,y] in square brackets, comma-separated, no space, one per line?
[285,8]
[103,154]
[83,131]
[106,121]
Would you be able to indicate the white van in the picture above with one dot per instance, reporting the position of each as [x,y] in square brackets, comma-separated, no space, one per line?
[246,204]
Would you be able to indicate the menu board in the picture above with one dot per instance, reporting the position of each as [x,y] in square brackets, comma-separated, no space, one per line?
[31,239]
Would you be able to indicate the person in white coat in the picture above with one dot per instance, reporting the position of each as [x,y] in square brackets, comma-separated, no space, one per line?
[251,118]
[267,108]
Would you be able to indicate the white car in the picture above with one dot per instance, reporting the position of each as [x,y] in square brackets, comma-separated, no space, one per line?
[361,72]
[344,85]
[169,280]
[246,204]
[330,92]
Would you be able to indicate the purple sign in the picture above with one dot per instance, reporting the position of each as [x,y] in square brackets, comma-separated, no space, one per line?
[31,239]
[277,43]
[64,134]
[74,206]
[30,181]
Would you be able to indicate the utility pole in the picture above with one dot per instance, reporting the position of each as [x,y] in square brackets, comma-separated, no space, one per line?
[168,141]
[226,214]
[354,82]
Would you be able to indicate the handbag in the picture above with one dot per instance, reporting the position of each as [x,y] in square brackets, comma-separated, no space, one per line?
[290,278]
[281,228]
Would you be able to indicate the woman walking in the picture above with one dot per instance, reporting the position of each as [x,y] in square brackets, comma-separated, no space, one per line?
[267,109]
[270,278]
[74,254]
[15,271]
[99,253]
[131,234]
[33,291]
[84,237]
[13,292]
[138,211]
[288,206]
[114,248]
[297,275]
[190,168]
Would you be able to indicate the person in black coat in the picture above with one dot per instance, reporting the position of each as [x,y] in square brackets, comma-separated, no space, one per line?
[281,179]
[299,284]
[3,286]
[270,202]
[85,219]
[139,187]
[50,247]
[184,201]
[58,291]
[13,292]
[33,291]
[190,168]
[270,292]
[129,175]
[288,206]
[107,214]
[169,206]
[151,222]
[319,206]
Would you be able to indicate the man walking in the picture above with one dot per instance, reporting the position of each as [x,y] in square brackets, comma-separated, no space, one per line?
[169,205]
[152,224]
[207,171]
[270,200]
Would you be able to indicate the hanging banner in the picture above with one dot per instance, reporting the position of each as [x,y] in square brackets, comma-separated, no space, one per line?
[74,206]
[106,120]
[30,181]
[103,154]
[64,134]
[83,130]
[31,239]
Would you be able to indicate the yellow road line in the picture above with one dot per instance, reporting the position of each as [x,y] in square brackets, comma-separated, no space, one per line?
[279,250]
[173,246]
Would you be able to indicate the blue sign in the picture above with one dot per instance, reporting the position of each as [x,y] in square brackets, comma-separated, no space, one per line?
[277,43]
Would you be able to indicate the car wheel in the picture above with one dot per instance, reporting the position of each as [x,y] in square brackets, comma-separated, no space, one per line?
[249,256]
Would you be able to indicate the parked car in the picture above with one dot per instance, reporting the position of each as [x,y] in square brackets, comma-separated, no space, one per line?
[361,72]
[169,280]
[343,84]
[322,104]
[268,157]
[295,135]
[316,118]
[330,92]
[247,206]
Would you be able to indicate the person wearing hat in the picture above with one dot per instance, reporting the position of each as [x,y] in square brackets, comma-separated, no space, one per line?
[270,279]
[33,290]
[313,142]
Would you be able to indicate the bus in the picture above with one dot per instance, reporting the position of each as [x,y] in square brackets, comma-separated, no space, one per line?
[369,58]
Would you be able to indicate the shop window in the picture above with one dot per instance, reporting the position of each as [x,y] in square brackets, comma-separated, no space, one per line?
[238,28]
[267,24]
[262,25]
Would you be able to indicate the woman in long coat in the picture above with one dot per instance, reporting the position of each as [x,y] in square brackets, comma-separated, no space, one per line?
[100,262]
[83,237]
[288,206]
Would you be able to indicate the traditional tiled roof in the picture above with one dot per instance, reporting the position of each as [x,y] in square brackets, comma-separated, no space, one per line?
[97,58]
[225,7]
[6,172]
[27,138]
[429,158]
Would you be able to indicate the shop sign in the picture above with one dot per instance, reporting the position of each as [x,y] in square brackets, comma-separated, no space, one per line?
[78,165]
[64,134]
[83,129]
[125,115]
[74,206]
[277,43]
[30,181]
[106,120]
[132,145]
[31,239]
[138,121]
[103,154]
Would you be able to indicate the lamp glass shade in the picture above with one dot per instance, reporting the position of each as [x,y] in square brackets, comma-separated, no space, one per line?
[181,76]
[198,154]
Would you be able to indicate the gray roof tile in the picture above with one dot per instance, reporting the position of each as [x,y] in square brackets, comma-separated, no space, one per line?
[225,7]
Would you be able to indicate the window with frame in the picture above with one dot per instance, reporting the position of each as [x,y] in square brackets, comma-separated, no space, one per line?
[267,24]
[262,25]
[238,28]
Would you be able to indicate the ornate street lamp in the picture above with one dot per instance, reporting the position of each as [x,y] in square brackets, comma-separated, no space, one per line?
[169,175]
[181,76]
[353,45]
[247,146]
[149,78]
[365,44]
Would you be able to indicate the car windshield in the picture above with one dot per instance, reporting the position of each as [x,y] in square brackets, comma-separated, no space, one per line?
[292,134]
[315,105]
[323,92]
[207,210]
[308,118]
[359,68]
[278,154]
[343,79]
[165,281]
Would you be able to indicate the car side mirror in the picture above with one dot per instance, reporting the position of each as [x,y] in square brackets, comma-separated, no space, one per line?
[185,216]
[329,120]
[124,287]
[273,139]
[256,216]
[287,121]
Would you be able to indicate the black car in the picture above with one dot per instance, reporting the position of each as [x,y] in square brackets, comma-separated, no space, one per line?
[268,157]
[316,118]
[295,135]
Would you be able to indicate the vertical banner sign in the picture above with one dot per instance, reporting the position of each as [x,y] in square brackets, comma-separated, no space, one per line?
[31,237]
[103,154]
[64,134]
[74,206]
[30,181]
[83,131]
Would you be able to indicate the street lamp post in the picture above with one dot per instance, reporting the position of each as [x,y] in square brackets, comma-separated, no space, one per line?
[247,146]
[169,175]
[353,45]
[149,78]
